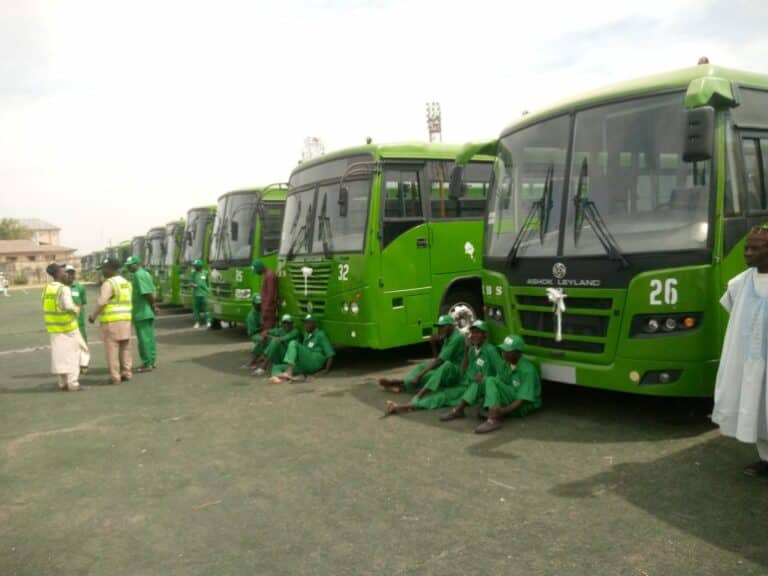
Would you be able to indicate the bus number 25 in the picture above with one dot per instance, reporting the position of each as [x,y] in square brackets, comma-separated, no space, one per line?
[343,272]
[663,292]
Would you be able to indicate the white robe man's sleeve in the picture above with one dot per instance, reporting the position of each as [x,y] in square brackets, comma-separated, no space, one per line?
[735,285]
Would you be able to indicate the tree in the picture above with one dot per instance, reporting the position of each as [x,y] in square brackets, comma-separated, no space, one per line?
[12,229]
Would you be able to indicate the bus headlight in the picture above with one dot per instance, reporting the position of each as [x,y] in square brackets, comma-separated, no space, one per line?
[345,307]
[652,325]
[354,308]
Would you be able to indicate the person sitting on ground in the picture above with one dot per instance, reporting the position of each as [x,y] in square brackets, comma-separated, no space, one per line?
[480,360]
[253,328]
[442,371]
[271,347]
[313,356]
[515,391]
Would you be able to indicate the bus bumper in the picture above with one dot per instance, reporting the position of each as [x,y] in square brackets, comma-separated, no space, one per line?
[229,310]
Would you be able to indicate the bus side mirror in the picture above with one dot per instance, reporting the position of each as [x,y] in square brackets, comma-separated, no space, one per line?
[699,134]
[234,228]
[343,201]
[456,185]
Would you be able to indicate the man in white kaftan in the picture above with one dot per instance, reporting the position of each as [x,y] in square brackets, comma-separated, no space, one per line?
[741,402]
[68,349]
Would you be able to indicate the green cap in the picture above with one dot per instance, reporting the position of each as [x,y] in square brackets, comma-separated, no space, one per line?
[479,325]
[256,298]
[445,320]
[197,262]
[286,318]
[512,342]
[257,265]
[310,318]
[131,260]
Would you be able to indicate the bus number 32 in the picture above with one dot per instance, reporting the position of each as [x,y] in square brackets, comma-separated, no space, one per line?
[343,272]
[663,292]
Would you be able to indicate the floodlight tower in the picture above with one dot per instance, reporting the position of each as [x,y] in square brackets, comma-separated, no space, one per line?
[434,122]
[313,147]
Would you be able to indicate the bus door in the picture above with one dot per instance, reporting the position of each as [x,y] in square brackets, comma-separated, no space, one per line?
[405,278]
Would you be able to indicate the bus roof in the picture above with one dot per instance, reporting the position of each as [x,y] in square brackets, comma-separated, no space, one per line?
[273,191]
[156,231]
[389,150]
[141,237]
[201,209]
[682,79]
[179,222]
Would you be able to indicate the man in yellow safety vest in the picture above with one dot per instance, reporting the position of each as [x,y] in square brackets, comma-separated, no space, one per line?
[113,309]
[68,349]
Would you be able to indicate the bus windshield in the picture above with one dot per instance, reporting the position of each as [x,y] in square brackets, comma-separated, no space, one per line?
[628,187]
[233,237]
[194,238]
[170,246]
[155,251]
[327,208]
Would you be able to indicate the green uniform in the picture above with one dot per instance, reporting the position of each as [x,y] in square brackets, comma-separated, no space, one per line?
[519,383]
[200,296]
[274,348]
[485,360]
[253,324]
[144,317]
[80,298]
[307,357]
[446,374]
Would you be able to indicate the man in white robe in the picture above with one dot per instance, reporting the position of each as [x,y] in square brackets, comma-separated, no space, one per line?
[68,349]
[741,402]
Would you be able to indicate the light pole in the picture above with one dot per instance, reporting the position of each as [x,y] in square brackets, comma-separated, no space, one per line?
[434,122]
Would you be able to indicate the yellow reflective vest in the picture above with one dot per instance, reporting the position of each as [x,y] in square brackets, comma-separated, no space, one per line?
[119,306]
[57,320]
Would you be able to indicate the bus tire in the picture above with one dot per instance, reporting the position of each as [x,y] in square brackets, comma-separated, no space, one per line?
[464,305]
[215,324]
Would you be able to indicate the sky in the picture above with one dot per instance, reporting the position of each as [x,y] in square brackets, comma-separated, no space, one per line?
[119,116]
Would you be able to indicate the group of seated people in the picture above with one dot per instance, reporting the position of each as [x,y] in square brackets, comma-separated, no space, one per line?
[470,371]
[467,371]
[281,350]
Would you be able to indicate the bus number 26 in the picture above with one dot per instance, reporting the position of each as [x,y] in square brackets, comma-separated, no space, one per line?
[343,272]
[663,292]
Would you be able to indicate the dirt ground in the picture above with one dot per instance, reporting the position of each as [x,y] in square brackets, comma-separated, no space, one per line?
[200,469]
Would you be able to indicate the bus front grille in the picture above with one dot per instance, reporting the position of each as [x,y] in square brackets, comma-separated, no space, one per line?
[221,289]
[573,324]
[316,282]
[311,306]
[573,345]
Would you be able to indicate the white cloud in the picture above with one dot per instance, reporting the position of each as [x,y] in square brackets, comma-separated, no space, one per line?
[127,114]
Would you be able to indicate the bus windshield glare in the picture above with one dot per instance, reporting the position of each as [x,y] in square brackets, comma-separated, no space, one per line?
[626,176]
[155,254]
[170,246]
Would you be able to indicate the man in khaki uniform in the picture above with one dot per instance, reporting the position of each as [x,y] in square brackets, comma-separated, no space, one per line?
[113,309]
[68,349]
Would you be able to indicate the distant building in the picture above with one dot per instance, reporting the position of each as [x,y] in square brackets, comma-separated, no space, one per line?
[27,259]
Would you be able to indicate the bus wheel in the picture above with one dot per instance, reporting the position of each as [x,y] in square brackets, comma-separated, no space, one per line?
[464,306]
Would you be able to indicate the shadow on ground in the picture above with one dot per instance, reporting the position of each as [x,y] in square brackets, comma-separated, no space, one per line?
[689,490]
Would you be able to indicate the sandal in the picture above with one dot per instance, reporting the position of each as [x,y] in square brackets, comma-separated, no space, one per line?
[452,415]
[758,469]
[488,426]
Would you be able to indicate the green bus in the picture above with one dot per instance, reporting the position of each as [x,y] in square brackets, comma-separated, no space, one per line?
[247,226]
[169,283]
[379,239]
[137,247]
[154,253]
[615,221]
[197,242]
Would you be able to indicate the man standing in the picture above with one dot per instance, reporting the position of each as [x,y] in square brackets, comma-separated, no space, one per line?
[268,295]
[515,391]
[313,356]
[740,389]
[144,310]
[199,284]
[68,349]
[80,299]
[113,309]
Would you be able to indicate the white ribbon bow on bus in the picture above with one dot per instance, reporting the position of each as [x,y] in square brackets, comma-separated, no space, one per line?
[306,271]
[557,297]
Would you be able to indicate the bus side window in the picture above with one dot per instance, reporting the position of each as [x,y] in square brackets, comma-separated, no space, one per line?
[754,173]
[469,202]
[402,203]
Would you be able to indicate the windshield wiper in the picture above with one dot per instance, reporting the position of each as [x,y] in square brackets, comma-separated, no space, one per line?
[586,209]
[543,206]
[323,223]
